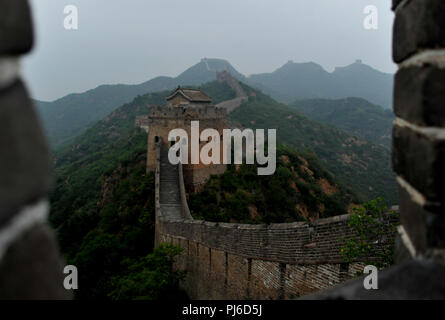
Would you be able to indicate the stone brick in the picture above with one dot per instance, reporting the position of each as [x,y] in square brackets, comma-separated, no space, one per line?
[236,261]
[32,269]
[395,4]
[25,167]
[419,95]
[410,280]
[401,252]
[16,34]
[435,225]
[413,219]
[418,25]
[425,224]
[419,160]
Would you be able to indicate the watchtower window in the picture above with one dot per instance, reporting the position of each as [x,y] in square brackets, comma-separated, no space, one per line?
[156,139]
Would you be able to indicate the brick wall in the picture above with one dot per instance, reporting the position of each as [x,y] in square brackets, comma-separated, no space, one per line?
[243,261]
[30,264]
[418,158]
[419,129]
[277,261]
[218,273]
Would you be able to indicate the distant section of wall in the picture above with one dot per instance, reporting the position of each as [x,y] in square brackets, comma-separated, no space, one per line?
[142,122]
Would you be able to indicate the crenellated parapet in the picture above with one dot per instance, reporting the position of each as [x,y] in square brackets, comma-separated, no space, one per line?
[186,112]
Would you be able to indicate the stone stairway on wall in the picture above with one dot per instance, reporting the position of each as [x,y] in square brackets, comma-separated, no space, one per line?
[170,200]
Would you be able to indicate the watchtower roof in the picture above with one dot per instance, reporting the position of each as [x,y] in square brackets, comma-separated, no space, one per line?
[192,95]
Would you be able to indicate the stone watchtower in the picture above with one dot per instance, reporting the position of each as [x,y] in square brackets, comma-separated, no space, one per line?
[183,106]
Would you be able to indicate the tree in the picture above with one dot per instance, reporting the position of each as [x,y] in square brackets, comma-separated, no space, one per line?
[151,277]
[374,226]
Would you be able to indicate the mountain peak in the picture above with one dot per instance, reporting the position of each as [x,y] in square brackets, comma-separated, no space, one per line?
[291,65]
[205,71]
[358,65]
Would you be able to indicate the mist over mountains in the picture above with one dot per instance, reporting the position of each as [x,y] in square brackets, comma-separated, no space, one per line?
[66,117]
[309,81]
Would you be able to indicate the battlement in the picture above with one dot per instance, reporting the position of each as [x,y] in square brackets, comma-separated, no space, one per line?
[197,112]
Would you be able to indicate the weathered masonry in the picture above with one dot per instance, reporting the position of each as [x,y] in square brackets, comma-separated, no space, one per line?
[30,263]
[418,157]
[240,261]
[184,106]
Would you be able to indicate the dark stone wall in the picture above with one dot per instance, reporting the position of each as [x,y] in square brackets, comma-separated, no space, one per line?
[418,158]
[30,263]
[419,129]
[278,261]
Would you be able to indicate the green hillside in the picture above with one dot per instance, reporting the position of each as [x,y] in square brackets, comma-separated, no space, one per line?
[361,165]
[353,115]
[102,205]
[300,189]
[69,116]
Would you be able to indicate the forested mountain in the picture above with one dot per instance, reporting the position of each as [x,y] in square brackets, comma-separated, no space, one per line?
[67,117]
[300,189]
[309,80]
[359,164]
[353,115]
[102,205]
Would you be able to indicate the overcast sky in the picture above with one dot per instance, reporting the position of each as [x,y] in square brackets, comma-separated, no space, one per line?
[131,41]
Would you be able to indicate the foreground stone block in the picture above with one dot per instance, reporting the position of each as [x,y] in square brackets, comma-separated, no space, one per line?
[419,24]
[424,223]
[25,167]
[419,160]
[419,95]
[32,268]
[395,3]
[411,280]
[16,34]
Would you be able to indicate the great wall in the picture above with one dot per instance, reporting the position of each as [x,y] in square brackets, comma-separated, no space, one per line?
[239,261]
[233,260]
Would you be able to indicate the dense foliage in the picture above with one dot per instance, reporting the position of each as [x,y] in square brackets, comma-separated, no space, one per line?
[375,227]
[353,115]
[300,189]
[362,166]
[109,235]
[103,200]
[103,207]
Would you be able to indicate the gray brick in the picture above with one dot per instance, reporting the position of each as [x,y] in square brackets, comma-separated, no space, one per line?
[25,168]
[413,219]
[419,160]
[395,4]
[419,24]
[419,95]
[16,34]
[32,267]
[407,281]
[435,225]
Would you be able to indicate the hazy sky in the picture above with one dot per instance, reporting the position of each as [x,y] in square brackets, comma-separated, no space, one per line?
[131,41]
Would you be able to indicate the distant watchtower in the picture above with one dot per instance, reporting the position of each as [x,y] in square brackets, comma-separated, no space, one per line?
[182,97]
[183,106]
